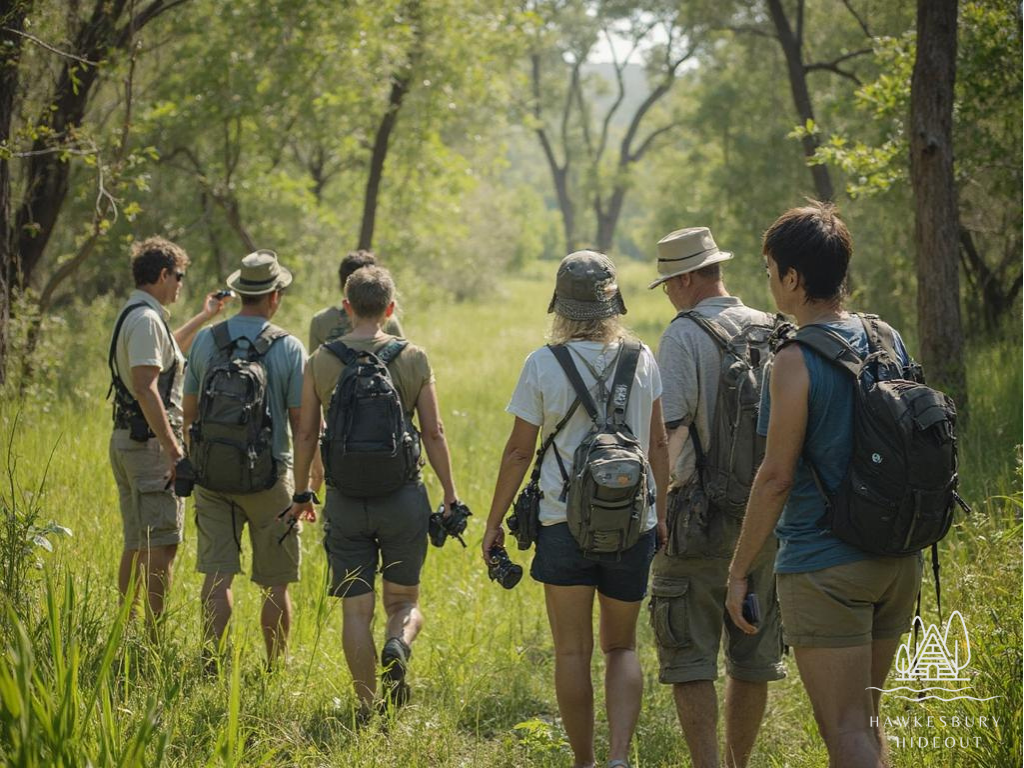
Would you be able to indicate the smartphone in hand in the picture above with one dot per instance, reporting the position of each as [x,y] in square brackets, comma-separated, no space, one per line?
[751,605]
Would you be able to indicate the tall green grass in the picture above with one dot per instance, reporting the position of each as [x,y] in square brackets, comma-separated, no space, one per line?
[80,684]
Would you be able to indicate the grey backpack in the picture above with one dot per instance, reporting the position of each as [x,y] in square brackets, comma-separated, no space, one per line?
[231,438]
[726,467]
[606,493]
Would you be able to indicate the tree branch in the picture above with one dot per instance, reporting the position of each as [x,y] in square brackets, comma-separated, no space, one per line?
[646,143]
[857,16]
[49,47]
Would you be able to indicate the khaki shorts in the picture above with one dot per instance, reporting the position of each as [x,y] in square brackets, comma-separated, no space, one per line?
[151,515]
[850,604]
[220,518]
[688,616]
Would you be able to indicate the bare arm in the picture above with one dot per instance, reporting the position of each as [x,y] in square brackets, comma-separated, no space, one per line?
[658,454]
[305,422]
[787,426]
[676,440]
[515,461]
[144,381]
[186,334]
[434,443]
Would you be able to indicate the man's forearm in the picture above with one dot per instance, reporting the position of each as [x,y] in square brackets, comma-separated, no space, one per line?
[767,499]
[187,333]
[156,416]
[440,461]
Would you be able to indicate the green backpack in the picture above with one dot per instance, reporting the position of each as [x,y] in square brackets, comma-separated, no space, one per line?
[606,494]
[232,437]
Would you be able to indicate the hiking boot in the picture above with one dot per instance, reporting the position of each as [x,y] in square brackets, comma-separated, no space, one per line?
[394,660]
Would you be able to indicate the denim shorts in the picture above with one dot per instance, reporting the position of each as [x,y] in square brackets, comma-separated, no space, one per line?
[560,563]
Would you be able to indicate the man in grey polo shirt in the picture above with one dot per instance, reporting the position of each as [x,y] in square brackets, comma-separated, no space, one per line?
[146,365]
[689,580]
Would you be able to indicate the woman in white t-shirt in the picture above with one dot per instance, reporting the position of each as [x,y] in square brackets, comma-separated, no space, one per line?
[586,306]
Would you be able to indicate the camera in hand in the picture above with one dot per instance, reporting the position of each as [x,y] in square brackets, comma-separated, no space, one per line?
[501,569]
[224,293]
[184,478]
[454,525]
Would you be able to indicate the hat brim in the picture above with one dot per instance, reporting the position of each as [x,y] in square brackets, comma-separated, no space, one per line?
[713,259]
[283,280]
[573,309]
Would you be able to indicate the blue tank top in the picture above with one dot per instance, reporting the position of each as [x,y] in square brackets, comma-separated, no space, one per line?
[804,544]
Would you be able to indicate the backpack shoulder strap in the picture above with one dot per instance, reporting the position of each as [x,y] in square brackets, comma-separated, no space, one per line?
[391,350]
[564,359]
[829,345]
[112,355]
[341,351]
[622,385]
[710,327]
[266,338]
[222,336]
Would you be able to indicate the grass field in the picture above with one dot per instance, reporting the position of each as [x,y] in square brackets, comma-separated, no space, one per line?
[78,686]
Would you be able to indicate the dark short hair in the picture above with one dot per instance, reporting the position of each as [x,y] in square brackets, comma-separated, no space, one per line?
[354,260]
[369,291]
[152,256]
[815,242]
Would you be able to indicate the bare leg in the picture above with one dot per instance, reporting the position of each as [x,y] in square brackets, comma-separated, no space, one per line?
[836,680]
[357,642]
[276,621]
[570,614]
[623,680]
[697,708]
[744,709]
[403,611]
[882,653]
[156,565]
[217,605]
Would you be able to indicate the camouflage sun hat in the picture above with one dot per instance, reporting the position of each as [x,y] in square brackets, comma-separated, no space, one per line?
[585,288]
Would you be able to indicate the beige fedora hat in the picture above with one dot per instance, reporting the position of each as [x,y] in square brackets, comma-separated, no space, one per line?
[260,273]
[685,250]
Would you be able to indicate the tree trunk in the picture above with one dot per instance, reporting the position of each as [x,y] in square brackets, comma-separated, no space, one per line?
[791,46]
[400,82]
[931,172]
[399,87]
[608,218]
[10,53]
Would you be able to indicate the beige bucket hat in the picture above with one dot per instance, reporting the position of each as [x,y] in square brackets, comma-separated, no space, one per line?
[684,251]
[260,273]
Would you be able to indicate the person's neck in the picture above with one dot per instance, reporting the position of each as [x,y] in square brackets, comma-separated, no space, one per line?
[254,311]
[714,290]
[365,329]
[818,312]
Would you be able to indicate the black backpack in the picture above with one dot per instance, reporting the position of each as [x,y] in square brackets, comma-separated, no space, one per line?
[606,491]
[899,491]
[232,438]
[726,467]
[369,448]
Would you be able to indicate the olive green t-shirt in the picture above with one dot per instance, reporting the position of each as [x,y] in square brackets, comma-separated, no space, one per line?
[332,323]
[410,371]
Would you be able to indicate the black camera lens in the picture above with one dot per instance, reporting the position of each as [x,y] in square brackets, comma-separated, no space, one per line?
[502,570]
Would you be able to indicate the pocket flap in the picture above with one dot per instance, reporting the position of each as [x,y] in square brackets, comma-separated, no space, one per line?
[666,586]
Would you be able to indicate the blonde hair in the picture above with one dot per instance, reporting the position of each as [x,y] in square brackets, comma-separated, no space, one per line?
[602,329]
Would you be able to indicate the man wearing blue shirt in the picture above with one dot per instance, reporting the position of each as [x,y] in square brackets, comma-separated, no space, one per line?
[221,517]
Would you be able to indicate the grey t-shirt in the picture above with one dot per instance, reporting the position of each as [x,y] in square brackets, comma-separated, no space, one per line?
[284,363]
[690,363]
